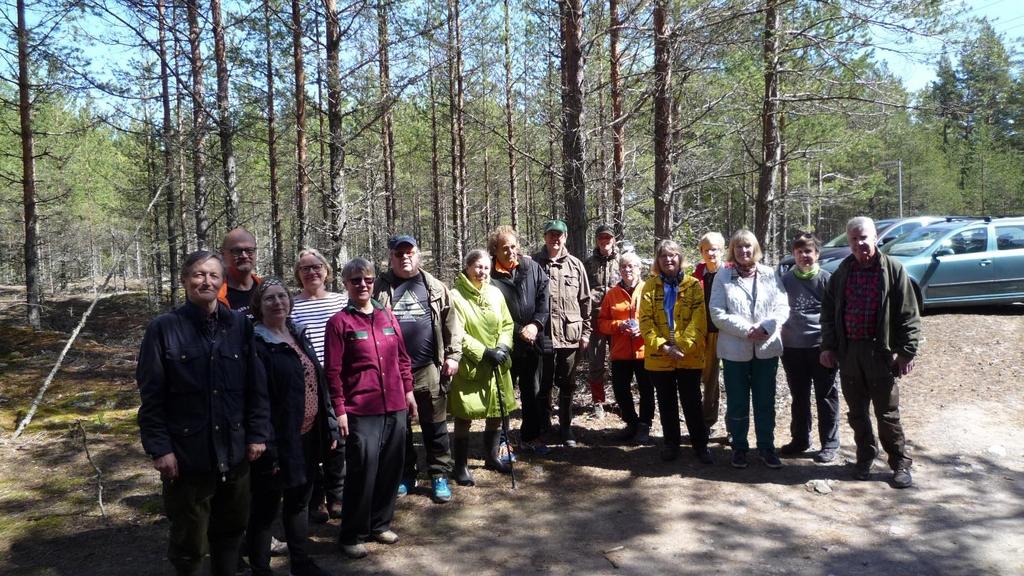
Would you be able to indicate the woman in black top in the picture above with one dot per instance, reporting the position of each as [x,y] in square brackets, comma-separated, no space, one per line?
[304,428]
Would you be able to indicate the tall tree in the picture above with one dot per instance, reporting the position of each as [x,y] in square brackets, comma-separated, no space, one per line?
[573,134]
[771,141]
[662,123]
[276,232]
[387,133]
[618,120]
[28,174]
[301,162]
[227,149]
[201,194]
[336,139]
[168,138]
[509,132]
[457,133]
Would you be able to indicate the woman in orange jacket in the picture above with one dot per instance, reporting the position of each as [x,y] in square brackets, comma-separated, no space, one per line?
[618,320]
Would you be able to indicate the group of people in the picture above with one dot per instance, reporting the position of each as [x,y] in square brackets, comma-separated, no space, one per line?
[258,401]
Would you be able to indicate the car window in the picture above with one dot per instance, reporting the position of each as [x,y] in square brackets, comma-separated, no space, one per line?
[1009,237]
[914,243]
[968,241]
[838,242]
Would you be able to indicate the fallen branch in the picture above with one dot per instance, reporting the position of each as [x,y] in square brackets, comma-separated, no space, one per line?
[99,474]
[81,324]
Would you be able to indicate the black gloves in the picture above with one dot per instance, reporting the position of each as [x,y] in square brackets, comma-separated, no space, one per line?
[496,356]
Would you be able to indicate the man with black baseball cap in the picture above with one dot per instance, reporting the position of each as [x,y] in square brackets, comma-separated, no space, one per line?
[602,273]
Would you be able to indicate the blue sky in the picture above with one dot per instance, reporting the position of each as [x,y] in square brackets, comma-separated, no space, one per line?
[918,69]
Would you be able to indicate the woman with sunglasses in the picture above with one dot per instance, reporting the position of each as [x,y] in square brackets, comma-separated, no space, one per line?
[314,306]
[369,375]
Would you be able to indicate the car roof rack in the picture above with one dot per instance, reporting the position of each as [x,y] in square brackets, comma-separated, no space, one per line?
[959,218]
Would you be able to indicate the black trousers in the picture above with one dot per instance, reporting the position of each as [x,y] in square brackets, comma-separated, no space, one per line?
[374,458]
[267,497]
[867,380]
[526,373]
[623,372]
[208,513]
[675,387]
[329,477]
[560,371]
[804,372]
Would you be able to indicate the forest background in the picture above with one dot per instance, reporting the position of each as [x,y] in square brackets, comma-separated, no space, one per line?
[135,131]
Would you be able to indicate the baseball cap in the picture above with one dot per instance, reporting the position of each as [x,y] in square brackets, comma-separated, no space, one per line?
[604,229]
[557,226]
[400,239]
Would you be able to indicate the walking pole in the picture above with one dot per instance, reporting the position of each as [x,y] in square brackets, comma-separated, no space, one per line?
[504,429]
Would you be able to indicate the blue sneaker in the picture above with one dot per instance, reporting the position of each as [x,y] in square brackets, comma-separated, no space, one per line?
[442,493]
[405,486]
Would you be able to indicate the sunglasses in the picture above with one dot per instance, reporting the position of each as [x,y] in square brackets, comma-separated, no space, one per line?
[367,280]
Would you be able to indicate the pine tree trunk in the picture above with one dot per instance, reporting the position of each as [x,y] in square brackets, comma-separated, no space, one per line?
[276,232]
[198,127]
[573,135]
[618,122]
[301,175]
[387,137]
[456,128]
[168,137]
[227,149]
[28,176]
[771,141]
[509,132]
[662,124]
[335,145]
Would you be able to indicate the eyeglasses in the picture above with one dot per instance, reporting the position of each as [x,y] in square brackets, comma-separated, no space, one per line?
[311,268]
[240,250]
[368,280]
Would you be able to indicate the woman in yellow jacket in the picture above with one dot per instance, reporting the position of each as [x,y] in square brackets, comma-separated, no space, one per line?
[674,325]
[486,344]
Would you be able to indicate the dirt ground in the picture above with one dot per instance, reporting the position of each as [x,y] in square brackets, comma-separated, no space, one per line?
[599,508]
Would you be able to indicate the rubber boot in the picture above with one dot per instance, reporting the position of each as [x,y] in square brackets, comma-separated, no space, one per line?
[460,472]
[492,447]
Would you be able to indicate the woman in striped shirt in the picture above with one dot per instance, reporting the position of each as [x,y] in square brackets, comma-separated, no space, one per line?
[313,307]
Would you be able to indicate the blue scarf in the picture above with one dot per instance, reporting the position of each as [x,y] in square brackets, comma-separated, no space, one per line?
[671,292]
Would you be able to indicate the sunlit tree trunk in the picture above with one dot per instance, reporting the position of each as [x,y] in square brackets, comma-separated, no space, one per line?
[301,162]
[227,149]
[770,139]
[509,132]
[167,137]
[573,135]
[198,126]
[275,199]
[28,175]
[335,145]
[387,136]
[662,124]
[618,121]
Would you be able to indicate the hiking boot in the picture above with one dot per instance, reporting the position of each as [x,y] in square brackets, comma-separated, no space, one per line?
[319,515]
[770,458]
[405,486]
[901,478]
[278,547]
[704,455]
[669,452]
[385,537]
[442,493]
[862,470]
[355,550]
[536,446]
[626,434]
[825,455]
[460,472]
[493,459]
[739,458]
[643,434]
[793,449]
[567,437]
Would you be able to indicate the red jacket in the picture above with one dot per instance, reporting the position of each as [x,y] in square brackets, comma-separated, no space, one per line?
[367,366]
[617,307]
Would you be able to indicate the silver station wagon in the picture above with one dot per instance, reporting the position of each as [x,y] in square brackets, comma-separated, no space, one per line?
[964,261]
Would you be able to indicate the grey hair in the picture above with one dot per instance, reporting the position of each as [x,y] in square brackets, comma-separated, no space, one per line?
[861,222]
[475,255]
[630,257]
[360,265]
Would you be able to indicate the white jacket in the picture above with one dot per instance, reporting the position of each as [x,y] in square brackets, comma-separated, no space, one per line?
[735,312]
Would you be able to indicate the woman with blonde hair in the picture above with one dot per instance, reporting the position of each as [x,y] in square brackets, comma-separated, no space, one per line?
[674,327]
[749,306]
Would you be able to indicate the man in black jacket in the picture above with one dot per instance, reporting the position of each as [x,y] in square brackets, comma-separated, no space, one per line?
[204,416]
[525,288]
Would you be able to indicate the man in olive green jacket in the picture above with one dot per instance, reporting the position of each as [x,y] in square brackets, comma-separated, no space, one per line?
[870,328]
[433,336]
[569,327]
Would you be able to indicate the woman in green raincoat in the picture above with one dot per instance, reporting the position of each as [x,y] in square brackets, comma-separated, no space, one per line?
[484,366]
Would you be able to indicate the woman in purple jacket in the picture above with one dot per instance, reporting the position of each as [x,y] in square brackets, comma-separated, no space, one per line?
[370,379]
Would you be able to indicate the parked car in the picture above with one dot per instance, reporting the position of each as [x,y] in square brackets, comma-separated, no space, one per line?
[833,251]
[960,262]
